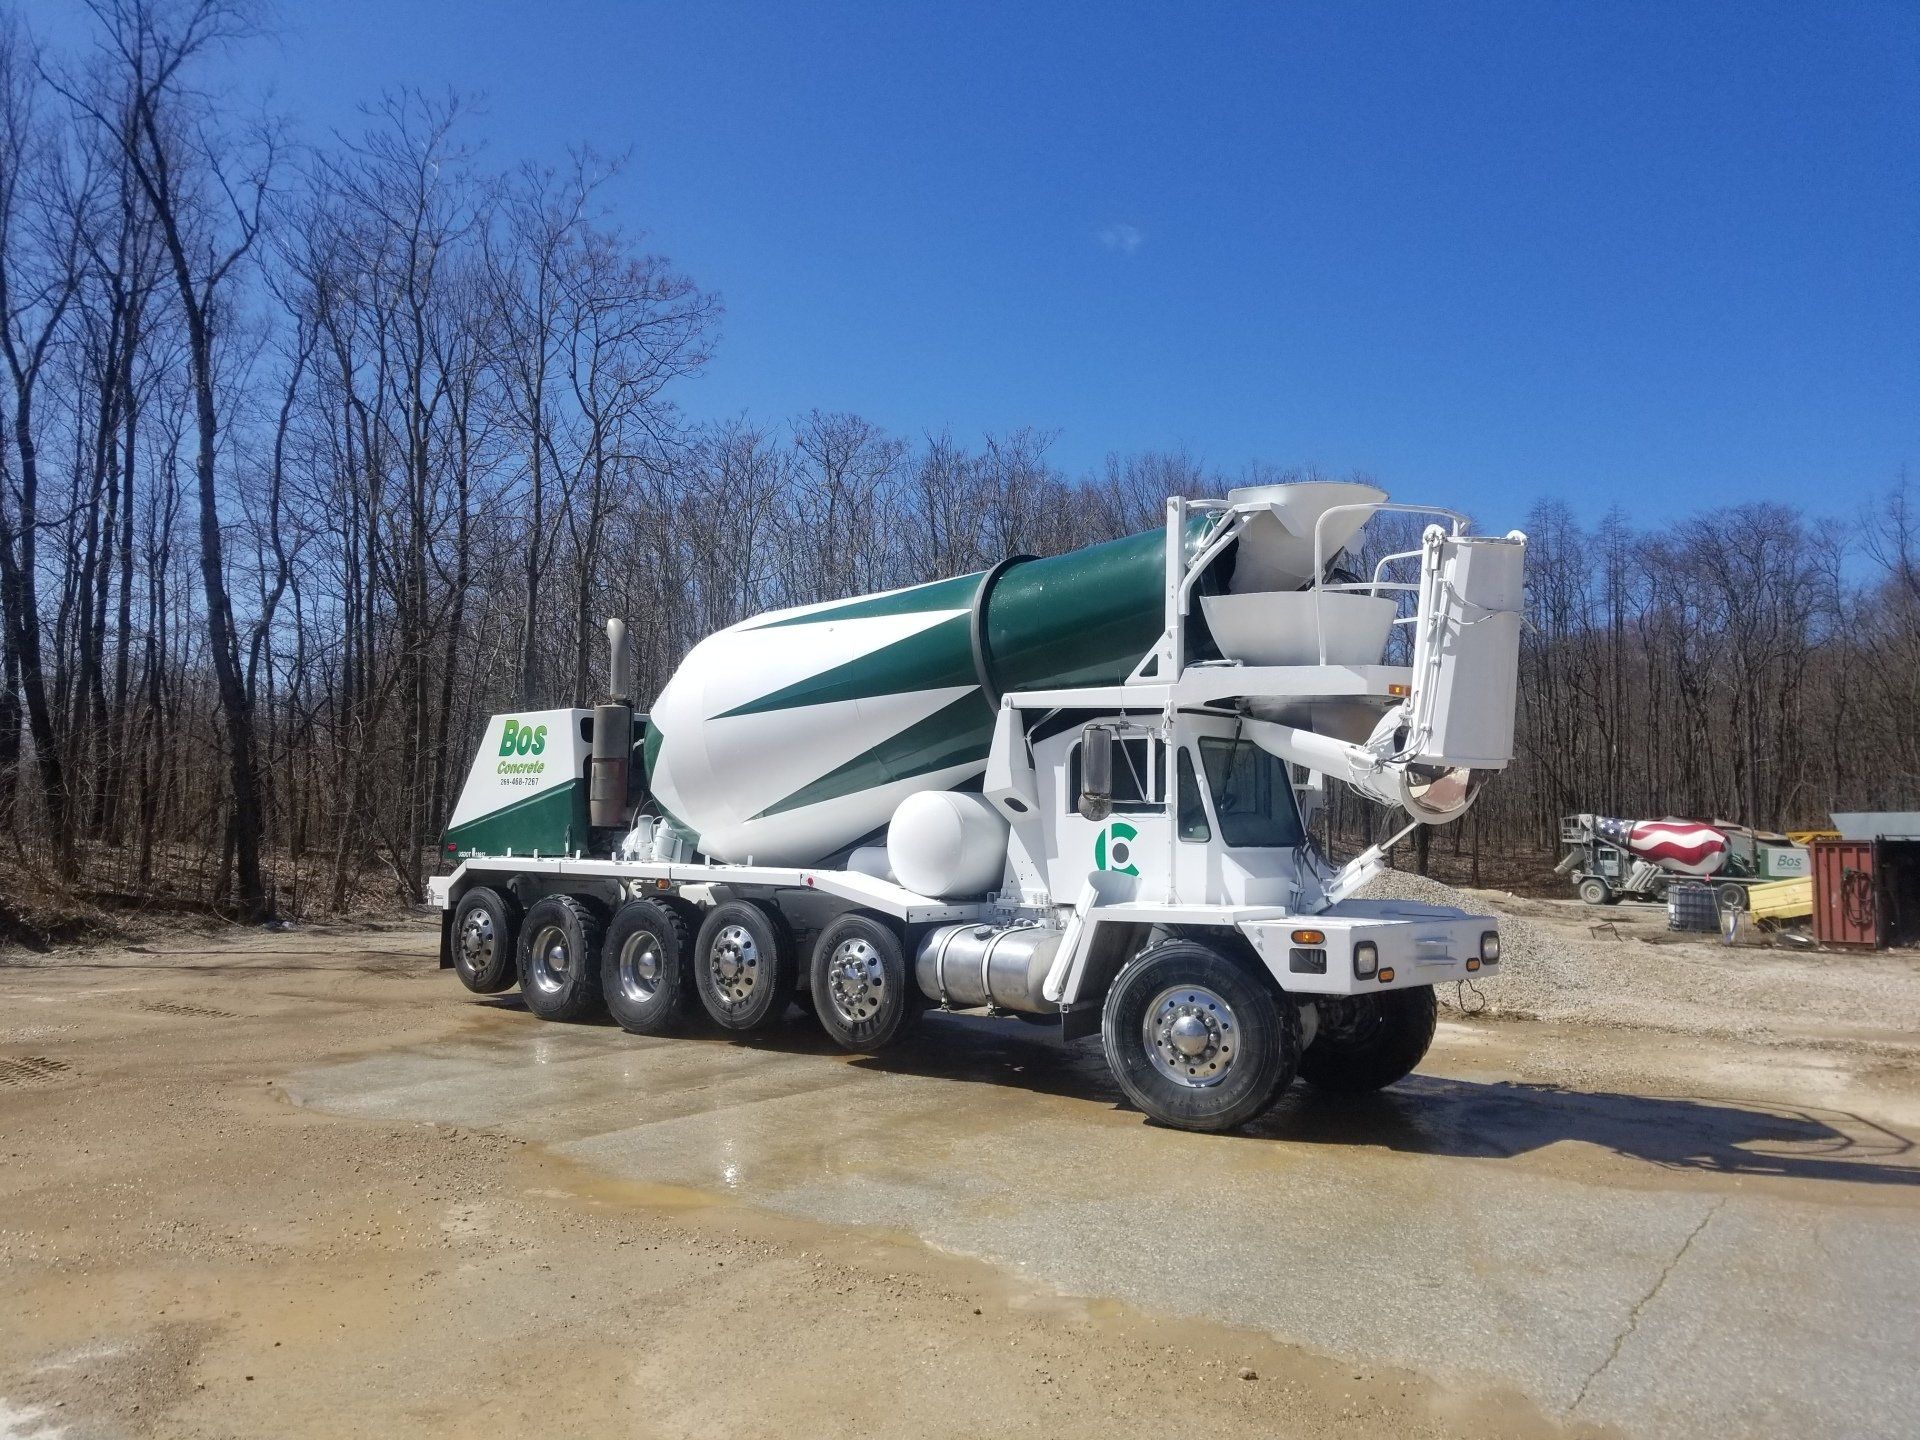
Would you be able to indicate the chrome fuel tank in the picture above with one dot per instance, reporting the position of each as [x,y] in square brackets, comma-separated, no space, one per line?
[965,967]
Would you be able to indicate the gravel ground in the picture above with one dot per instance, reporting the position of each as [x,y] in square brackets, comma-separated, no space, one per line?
[1562,960]
[188,1248]
[300,1184]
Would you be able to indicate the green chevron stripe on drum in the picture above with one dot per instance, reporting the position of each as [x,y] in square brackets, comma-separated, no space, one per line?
[954,594]
[956,734]
[936,658]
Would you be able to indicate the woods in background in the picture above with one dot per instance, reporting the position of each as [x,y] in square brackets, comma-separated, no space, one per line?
[312,458]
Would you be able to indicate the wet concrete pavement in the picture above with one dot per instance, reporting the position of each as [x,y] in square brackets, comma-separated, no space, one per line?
[1666,1235]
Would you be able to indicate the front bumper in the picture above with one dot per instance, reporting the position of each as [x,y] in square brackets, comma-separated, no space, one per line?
[1412,945]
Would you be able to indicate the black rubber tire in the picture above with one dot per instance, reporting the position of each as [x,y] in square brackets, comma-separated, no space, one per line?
[636,926]
[499,969]
[1371,1041]
[573,994]
[1594,891]
[876,1020]
[1266,1056]
[1730,897]
[771,967]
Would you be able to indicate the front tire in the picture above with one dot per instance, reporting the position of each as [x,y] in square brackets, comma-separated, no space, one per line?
[1196,1039]
[1594,890]
[643,968]
[863,988]
[744,967]
[1369,1041]
[1731,897]
[560,959]
[486,925]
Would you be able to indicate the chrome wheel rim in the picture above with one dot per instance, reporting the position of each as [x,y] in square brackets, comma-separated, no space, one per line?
[734,963]
[641,966]
[552,959]
[1191,1036]
[856,981]
[476,940]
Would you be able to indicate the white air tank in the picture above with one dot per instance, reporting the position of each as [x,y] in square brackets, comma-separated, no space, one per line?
[947,844]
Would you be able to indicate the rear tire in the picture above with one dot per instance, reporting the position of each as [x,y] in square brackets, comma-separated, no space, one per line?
[1370,1041]
[560,959]
[486,934]
[863,988]
[1594,890]
[1196,1039]
[643,968]
[743,965]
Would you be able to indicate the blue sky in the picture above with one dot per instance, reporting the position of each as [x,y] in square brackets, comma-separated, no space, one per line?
[1661,255]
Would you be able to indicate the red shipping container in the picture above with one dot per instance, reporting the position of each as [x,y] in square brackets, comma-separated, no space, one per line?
[1846,893]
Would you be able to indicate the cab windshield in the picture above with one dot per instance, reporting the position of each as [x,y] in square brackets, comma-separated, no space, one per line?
[1252,795]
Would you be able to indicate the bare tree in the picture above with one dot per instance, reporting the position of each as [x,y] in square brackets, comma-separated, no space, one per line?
[40,271]
[209,204]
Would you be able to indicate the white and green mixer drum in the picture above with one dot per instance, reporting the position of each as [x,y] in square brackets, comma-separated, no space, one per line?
[786,738]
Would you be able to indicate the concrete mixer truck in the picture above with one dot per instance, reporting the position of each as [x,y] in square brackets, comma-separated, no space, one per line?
[1073,790]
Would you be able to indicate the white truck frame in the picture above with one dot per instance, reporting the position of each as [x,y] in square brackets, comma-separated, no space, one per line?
[1349,979]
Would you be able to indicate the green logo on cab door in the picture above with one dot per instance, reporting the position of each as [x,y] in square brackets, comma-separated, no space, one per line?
[1113,848]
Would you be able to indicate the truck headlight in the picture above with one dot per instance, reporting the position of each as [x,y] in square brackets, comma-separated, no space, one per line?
[1366,959]
[1490,947]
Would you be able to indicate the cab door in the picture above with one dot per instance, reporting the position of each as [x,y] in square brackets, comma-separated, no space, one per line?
[1132,841]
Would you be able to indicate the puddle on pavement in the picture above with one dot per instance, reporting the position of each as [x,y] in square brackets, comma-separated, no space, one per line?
[1451,1198]
[774,1122]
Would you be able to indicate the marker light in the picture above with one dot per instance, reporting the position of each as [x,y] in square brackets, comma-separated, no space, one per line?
[1386,975]
[1309,937]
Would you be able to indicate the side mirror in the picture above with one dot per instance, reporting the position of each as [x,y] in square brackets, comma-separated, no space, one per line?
[1096,772]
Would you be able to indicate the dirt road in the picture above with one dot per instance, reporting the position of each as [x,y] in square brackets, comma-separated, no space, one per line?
[302,1184]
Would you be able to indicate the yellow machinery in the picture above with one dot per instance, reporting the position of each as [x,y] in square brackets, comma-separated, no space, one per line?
[1805,838]
[1781,900]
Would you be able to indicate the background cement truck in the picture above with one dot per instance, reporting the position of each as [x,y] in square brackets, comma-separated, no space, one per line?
[1609,859]
[1072,790]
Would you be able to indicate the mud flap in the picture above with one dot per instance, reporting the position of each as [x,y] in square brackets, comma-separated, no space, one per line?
[446,939]
[1079,1021]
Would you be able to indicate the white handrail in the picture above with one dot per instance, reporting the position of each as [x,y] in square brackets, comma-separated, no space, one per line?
[1319,548]
[1386,560]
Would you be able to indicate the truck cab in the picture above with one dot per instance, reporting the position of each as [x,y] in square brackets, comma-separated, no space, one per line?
[1196,806]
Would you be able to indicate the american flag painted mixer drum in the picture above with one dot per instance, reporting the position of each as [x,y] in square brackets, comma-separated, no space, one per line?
[1685,847]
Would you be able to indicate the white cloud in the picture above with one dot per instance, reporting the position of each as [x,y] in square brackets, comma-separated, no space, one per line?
[1124,238]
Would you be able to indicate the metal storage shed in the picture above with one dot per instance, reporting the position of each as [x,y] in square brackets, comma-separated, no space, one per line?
[1866,885]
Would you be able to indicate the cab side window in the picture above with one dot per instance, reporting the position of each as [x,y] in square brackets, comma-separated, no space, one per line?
[1193,808]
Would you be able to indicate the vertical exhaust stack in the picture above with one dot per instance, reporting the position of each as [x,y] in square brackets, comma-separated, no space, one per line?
[612,736]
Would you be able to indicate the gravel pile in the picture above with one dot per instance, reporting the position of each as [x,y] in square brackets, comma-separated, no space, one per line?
[1542,975]
[1551,969]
